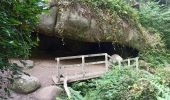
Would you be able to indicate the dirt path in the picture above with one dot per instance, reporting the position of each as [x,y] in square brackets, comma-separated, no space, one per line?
[44,69]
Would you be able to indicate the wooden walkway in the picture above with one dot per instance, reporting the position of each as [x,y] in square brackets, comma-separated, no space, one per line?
[87,69]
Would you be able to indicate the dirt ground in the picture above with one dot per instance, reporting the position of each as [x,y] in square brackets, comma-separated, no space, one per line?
[44,69]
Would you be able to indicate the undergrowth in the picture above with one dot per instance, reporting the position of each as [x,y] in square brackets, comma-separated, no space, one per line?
[122,84]
[156,58]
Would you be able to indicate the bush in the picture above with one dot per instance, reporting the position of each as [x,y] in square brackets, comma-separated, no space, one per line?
[164,74]
[18,20]
[156,58]
[156,18]
[126,84]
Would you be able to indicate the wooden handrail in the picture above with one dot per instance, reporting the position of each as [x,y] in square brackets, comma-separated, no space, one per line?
[84,64]
[66,88]
[80,56]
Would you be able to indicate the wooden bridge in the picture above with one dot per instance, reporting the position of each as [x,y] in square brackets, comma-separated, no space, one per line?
[87,67]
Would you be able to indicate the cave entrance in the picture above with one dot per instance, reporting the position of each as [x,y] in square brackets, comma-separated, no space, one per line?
[51,47]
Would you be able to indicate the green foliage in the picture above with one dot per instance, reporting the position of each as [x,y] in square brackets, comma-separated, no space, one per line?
[164,73]
[84,86]
[156,18]
[127,84]
[18,20]
[75,95]
[156,58]
[150,14]
[119,6]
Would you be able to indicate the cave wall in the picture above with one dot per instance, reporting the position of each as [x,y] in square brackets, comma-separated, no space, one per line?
[51,47]
[77,21]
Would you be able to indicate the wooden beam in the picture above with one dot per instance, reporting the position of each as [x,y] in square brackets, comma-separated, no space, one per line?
[94,63]
[76,57]
[128,62]
[86,64]
[83,65]
[58,69]
[119,62]
[106,62]
[66,88]
[137,63]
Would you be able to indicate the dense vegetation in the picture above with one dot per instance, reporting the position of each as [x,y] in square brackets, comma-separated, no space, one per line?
[18,20]
[156,18]
[123,84]
[129,84]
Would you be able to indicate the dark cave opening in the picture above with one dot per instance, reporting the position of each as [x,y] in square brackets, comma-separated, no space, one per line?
[51,47]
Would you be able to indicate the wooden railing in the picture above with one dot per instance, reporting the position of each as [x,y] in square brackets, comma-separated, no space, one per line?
[60,68]
[83,64]
[130,62]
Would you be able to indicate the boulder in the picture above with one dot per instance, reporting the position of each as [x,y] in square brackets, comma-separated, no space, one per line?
[25,84]
[48,93]
[116,58]
[144,65]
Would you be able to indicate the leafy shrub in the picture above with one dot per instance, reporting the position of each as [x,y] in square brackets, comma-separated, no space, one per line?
[156,18]
[84,86]
[164,74]
[18,20]
[127,84]
[156,58]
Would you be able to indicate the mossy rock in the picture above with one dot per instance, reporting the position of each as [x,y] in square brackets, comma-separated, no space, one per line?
[25,84]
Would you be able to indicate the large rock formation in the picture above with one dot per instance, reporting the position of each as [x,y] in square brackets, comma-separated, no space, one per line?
[78,21]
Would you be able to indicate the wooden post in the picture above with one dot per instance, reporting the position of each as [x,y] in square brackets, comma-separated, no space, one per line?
[119,64]
[66,88]
[83,63]
[137,63]
[128,62]
[106,62]
[58,69]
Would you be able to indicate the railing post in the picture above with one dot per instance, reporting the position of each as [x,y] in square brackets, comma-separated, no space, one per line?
[83,63]
[58,69]
[106,62]
[128,62]
[66,88]
[119,62]
[137,63]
